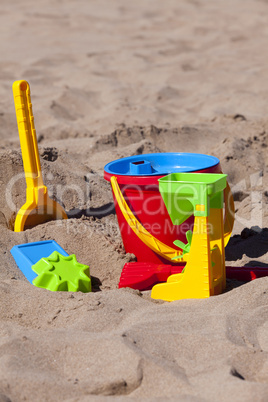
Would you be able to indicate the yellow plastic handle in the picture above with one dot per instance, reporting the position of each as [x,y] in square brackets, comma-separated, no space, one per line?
[152,242]
[229,214]
[27,134]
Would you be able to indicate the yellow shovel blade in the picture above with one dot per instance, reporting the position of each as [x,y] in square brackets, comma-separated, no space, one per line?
[34,213]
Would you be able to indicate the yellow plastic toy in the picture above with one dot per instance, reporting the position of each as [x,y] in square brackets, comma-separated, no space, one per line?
[204,274]
[165,251]
[39,208]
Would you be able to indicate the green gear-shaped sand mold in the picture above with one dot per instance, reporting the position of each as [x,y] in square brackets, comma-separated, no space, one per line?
[60,273]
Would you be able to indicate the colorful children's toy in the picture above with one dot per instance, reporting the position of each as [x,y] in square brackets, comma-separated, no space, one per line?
[146,228]
[28,254]
[185,194]
[59,272]
[143,276]
[47,265]
[39,208]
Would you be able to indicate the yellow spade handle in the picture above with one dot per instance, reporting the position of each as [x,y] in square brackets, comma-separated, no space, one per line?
[27,134]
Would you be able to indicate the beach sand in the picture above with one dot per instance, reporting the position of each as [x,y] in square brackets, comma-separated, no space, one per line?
[111,79]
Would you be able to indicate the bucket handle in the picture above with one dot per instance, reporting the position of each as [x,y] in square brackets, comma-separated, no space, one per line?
[152,242]
[229,216]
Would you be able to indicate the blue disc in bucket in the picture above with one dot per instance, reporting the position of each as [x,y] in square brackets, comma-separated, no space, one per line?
[160,164]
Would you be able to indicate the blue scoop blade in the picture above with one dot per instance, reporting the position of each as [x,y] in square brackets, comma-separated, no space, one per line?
[28,254]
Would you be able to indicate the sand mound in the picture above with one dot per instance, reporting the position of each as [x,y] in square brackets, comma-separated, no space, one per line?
[69,344]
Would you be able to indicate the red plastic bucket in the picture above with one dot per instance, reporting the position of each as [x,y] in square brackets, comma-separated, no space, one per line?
[141,192]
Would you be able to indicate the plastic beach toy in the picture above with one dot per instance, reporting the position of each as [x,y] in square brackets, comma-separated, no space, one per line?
[47,265]
[62,273]
[143,219]
[146,227]
[39,208]
[159,164]
[144,276]
[202,195]
[28,254]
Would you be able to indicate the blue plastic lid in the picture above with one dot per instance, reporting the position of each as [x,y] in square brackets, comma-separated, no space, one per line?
[160,164]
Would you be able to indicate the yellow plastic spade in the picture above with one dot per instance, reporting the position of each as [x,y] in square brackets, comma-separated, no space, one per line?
[39,208]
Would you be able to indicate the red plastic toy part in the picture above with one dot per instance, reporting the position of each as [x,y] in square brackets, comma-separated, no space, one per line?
[143,276]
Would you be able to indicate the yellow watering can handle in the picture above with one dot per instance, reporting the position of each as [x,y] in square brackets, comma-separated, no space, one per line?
[152,242]
[28,141]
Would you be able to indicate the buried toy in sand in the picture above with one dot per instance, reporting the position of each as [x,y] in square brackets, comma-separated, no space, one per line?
[157,210]
[46,265]
[38,208]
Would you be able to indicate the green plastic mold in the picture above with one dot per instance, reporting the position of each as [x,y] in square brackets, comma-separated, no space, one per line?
[185,194]
[185,247]
[61,273]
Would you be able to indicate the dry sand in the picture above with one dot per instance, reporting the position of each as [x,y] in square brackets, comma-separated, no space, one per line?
[112,79]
